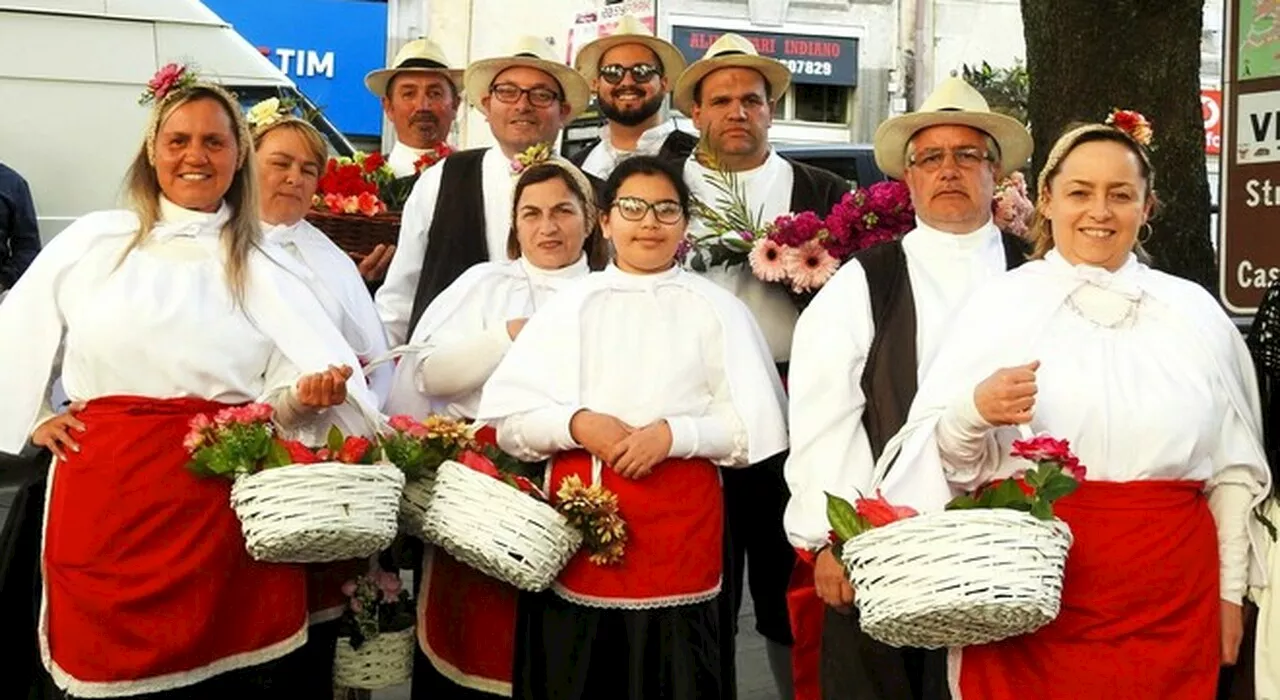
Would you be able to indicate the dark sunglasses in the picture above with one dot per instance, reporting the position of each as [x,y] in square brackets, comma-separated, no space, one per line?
[640,72]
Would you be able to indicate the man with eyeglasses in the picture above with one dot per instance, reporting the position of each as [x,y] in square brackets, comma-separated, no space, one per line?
[859,349]
[730,93]
[419,94]
[631,71]
[459,213]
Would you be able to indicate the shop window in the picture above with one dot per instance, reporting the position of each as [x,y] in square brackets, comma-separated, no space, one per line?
[826,104]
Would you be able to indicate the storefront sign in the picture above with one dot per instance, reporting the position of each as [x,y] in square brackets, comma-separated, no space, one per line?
[589,26]
[1211,105]
[812,59]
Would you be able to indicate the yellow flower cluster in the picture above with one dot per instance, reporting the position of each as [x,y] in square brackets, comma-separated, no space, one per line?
[593,510]
[450,431]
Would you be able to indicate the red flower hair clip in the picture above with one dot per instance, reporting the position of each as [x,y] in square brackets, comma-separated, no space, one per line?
[174,76]
[1132,123]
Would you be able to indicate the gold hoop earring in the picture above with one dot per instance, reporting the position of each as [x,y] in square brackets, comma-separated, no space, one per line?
[1143,239]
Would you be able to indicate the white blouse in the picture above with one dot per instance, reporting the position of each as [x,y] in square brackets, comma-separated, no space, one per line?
[159,322]
[395,297]
[768,190]
[604,157]
[830,450]
[641,348]
[462,334]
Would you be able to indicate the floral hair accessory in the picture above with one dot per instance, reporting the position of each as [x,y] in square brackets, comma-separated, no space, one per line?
[1132,123]
[171,77]
[268,113]
[529,157]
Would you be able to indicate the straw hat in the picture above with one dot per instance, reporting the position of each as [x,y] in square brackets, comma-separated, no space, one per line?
[417,56]
[729,51]
[953,102]
[530,52]
[630,30]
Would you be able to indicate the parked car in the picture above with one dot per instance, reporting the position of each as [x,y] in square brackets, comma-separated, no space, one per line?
[853,162]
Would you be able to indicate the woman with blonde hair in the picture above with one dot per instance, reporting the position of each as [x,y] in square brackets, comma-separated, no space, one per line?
[1151,384]
[152,316]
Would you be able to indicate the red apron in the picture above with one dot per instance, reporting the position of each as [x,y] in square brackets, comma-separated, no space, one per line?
[467,619]
[806,611]
[1140,616]
[675,529]
[146,573]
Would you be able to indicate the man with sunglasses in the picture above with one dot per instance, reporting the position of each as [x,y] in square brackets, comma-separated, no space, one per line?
[631,72]
[859,348]
[459,213]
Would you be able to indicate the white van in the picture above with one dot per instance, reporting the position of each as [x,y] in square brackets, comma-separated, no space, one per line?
[71,72]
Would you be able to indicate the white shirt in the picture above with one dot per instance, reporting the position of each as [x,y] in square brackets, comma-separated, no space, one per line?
[830,450]
[768,190]
[640,348]
[463,334]
[403,157]
[604,156]
[159,323]
[395,297]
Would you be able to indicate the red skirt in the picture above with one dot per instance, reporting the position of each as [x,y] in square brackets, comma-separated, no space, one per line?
[467,619]
[147,582]
[1140,617]
[675,530]
[806,611]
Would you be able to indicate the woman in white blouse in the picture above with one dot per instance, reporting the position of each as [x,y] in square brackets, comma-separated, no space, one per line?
[156,315]
[1150,382]
[460,339]
[646,378]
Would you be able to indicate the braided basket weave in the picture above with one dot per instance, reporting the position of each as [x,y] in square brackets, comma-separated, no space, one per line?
[497,529]
[383,661]
[959,577]
[318,512]
[414,502]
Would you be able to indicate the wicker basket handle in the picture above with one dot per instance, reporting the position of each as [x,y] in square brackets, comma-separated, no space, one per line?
[392,355]
[597,472]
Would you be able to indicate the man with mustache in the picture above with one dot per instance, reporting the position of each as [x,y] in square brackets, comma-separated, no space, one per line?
[419,94]
[859,348]
[459,213]
[631,71]
[730,94]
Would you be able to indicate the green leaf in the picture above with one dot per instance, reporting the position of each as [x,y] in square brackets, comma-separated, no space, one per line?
[277,455]
[962,502]
[1034,477]
[1057,486]
[1042,509]
[334,439]
[1006,494]
[844,518]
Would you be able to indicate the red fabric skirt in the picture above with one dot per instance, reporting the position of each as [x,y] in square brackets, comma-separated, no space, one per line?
[1140,617]
[806,611]
[468,619]
[675,530]
[146,572]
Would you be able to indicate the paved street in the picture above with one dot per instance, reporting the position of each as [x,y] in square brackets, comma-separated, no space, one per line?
[754,679]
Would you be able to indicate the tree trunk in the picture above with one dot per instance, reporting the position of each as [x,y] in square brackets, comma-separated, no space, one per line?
[1087,57]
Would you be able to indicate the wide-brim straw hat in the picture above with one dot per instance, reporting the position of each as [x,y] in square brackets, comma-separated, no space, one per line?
[729,51]
[630,30]
[953,102]
[417,56]
[529,52]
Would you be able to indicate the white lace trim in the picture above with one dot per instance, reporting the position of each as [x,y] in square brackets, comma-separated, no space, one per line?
[111,689]
[653,603]
[446,669]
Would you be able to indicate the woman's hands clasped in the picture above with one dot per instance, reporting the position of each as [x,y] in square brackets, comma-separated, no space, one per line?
[631,452]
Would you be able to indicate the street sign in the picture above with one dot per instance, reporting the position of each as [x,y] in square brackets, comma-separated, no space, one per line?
[1249,248]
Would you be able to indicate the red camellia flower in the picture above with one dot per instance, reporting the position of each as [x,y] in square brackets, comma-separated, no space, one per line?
[1043,448]
[879,512]
[478,462]
[372,162]
[298,452]
[354,448]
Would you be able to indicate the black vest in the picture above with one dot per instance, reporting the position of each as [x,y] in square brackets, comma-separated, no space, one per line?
[889,377]
[675,148]
[456,239]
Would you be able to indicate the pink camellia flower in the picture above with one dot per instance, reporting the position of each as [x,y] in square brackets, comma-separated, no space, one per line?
[226,416]
[880,512]
[389,584]
[1073,468]
[1043,448]
[408,425]
[164,80]
[258,412]
[809,266]
[350,205]
[356,606]
[766,258]
[193,441]
[333,202]
[369,204]
[478,462]
[349,588]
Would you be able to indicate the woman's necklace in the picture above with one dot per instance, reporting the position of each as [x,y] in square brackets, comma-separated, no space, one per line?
[1130,311]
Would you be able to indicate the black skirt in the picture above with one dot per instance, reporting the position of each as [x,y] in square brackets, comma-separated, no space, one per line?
[566,651]
[20,578]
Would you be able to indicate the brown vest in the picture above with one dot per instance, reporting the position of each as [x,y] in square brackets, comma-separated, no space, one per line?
[889,378]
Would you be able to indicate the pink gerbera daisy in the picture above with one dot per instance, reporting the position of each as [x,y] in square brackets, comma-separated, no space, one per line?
[809,266]
[767,260]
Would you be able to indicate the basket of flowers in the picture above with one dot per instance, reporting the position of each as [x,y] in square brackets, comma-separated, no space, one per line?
[297,504]
[986,568]
[499,522]
[375,633]
[358,199]
[418,448]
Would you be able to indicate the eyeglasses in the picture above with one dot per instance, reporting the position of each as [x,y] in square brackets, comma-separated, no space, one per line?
[931,159]
[666,211]
[511,93]
[640,72]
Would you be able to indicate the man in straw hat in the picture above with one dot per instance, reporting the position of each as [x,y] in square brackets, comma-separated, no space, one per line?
[419,93]
[863,342]
[730,94]
[459,213]
[631,72]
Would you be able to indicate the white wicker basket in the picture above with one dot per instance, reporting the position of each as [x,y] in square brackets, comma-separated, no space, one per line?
[414,502]
[957,578]
[498,530]
[383,661]
[318,512]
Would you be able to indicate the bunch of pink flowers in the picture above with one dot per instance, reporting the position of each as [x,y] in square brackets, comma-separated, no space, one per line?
[1011,208]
